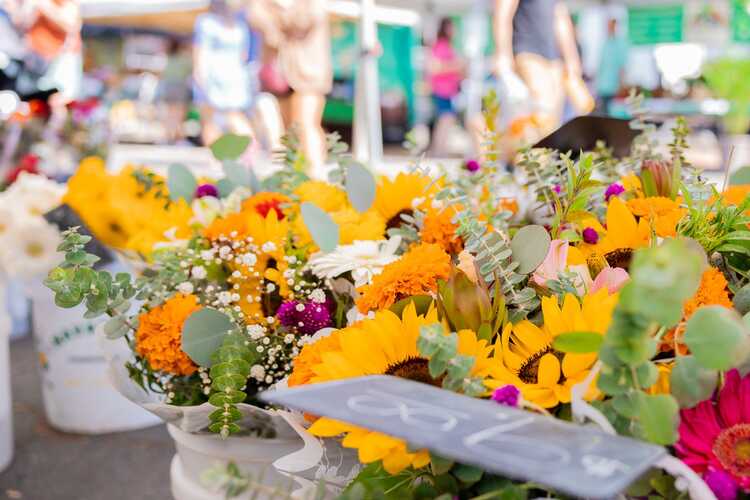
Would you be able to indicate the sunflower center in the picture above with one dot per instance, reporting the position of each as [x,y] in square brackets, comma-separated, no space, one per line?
[34,249]
[732,448]
[619,258]
[115,227]
[529,371]
[416,369]
[396,220]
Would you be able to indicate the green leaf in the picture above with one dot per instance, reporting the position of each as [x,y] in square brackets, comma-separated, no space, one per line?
[690,383]
[115,327]
[467,474]
[229,146]
[324,231]
[578,342]
[658,416]
[440,465]
[360,187]
[421,303]
[741,300]
[203,333]
[740,176]
[181,183]
[225,187]
[717,337]
[530,246]
[236,173]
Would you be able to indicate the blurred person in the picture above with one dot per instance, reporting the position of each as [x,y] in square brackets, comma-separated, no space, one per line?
[609,74]
[537,57]
[297,65]
[446,71]
[222,88]
[174,90]
[53,34]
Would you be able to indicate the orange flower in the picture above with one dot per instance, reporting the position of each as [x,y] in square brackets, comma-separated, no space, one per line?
[224,226]
[159,335]
[662,212]
[439,228]
[735,195]
[415,273]
[713,291]
[262,203]
[312,355]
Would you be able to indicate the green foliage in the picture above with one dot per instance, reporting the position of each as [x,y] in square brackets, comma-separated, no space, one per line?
[151,183]
[717,338]
[729,78]
[662,278]
[360,187]
[530,246]
[229,146]
[577,192]
[446,362]
[578,342]
[468,305]
[203,333]
[740,176]
[323,229]
[690,383]
[229,373]
[181,183]
[741,300]
[542,171]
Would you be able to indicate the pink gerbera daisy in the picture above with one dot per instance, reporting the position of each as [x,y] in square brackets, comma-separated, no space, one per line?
[715,438]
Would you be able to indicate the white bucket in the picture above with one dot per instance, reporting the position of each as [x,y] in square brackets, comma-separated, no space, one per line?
[78,395]
[254,457]
[6,410]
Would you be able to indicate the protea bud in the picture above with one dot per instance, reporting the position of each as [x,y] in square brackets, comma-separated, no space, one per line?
[659,178]
[465,304]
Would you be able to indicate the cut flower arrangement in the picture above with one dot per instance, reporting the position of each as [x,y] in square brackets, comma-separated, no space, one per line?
[595,288]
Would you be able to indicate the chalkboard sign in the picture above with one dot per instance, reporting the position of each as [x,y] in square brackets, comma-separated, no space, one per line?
[572,459]
[582,133]
[649,25]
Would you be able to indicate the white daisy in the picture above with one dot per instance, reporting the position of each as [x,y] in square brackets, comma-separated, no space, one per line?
[29,248]
[364,259]
[33,195]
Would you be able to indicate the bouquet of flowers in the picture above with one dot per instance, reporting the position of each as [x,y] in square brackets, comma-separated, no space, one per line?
[595,288]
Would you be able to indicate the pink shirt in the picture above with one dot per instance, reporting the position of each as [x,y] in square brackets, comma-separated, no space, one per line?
[445,83]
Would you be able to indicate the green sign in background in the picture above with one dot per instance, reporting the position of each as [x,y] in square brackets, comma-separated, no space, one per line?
[740,21]
[648,25]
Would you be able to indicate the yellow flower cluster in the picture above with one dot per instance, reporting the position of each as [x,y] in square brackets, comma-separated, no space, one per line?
[118,211]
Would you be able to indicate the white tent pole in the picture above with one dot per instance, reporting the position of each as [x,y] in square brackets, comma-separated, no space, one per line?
[367,133]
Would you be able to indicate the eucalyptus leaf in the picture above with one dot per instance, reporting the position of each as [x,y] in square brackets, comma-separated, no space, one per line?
[203,333]
[236,173]
[181,183]
[229,146]
[658,416]
[740,176]
[324,231]
[717,337]
[690,383]
[530,246]
[225,187]
[578,342]
[360,187]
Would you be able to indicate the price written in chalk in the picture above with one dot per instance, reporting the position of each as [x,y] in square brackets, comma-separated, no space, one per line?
[573,459]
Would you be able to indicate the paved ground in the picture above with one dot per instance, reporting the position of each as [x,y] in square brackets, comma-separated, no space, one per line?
[51,465]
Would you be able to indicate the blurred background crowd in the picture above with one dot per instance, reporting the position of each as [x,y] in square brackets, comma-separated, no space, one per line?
[186,71]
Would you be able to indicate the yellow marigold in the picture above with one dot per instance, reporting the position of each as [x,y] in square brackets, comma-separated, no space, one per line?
[327,197]
[713,291]
[439,228]
[159,335]
[415,273]
[663,212]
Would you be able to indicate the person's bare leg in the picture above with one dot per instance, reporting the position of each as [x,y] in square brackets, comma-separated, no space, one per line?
[210,131]
[268,120]
[441,136]
[239,123]
[545,81]
[307,113]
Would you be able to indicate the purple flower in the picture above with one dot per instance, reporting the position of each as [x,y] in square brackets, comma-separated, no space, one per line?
[507,395]
[590,236]
[557,188]
[472,166]
[722,484]
[305,317]
[613,190]
[206,190]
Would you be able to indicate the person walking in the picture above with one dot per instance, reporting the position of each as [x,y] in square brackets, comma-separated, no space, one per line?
[446,71]
[297,65]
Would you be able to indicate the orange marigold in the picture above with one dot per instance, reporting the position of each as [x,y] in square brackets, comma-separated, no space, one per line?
[415,273]
[439,228]
[159,335]
[713,291]
[663,212]
[224,226]
[311,355]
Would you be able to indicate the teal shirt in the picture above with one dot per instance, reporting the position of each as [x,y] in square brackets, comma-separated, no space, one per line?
[614,56]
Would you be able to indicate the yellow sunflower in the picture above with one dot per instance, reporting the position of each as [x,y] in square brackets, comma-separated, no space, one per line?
[623,234]
[527,359]
[385,344]
[400,195]
[353,226]
[327,197]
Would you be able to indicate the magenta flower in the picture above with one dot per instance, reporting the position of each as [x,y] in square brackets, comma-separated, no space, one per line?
[507,395]
[206,190]
[715,438]
[557,188]
[590,236]
[613,190]
[472,166]
[304,317]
